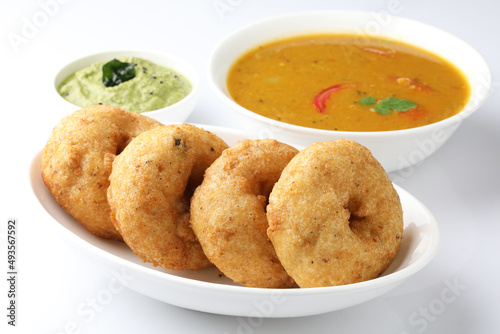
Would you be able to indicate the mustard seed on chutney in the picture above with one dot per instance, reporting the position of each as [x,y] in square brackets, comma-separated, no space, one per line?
[347,83]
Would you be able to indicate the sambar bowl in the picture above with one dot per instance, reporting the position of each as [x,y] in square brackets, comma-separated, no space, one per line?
[396,149]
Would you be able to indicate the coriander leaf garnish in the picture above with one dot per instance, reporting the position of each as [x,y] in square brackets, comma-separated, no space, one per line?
[368,100]
[386,105]
[393,103]
[382,109]
[115,72]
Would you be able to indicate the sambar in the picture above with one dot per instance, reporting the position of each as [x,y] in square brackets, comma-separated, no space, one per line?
[347,83]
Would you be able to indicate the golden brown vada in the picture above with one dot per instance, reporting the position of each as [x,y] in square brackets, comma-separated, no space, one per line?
[151,185]
[78,157]
[228,212]
[334,216]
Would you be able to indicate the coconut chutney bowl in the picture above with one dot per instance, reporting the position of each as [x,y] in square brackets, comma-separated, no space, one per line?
[395,149]
[149,87]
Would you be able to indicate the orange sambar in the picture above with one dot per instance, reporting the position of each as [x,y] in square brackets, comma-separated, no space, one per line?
[318,81]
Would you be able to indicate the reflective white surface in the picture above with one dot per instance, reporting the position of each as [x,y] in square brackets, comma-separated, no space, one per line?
[61,291]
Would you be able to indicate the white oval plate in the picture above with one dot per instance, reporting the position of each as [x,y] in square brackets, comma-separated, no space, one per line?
[209,291]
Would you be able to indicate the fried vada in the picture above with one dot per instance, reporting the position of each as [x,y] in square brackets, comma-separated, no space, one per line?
[228,212]
[78,157]
[334,216]
[150,189]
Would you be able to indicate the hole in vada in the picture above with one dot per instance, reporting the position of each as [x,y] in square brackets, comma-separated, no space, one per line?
[357,223]
[193,183]
[362,226]
[125,140]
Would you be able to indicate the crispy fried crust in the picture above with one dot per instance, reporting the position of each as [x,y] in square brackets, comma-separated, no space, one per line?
[334,216]
[151,186]
[78,157]
[228,212]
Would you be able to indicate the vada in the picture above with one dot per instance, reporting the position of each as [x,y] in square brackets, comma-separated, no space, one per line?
[334,216]
[78,157]
[228,212]
[150,190]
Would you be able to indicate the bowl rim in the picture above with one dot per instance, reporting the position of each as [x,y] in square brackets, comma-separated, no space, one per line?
[472,105]
[189,72]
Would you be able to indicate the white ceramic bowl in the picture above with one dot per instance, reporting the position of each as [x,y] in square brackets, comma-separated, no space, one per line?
[208,290]
[177,112]
[395,150]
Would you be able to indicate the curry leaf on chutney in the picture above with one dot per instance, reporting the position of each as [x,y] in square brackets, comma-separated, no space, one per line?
[115,72]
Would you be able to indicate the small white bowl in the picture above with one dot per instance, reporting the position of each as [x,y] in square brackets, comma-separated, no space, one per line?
[396,150]
[177,112]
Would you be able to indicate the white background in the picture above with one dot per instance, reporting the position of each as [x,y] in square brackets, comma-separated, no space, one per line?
[460,183]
